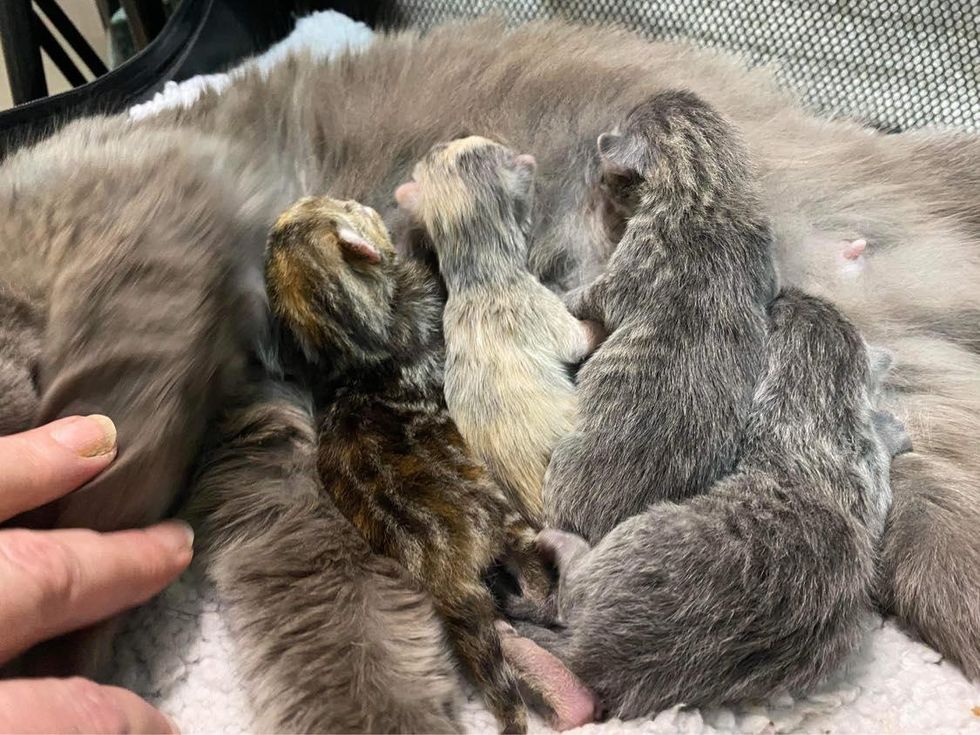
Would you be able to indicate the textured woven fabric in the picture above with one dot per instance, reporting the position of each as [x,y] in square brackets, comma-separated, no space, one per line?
[895,64]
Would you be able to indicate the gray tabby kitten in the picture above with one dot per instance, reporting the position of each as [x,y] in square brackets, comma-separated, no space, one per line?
[662,403]
[136,240]
[764,581]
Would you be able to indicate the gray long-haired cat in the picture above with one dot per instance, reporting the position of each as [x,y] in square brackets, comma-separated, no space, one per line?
[663,401]
[137,240]
[764,581]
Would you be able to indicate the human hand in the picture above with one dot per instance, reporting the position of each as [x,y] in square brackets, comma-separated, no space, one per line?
[53,582]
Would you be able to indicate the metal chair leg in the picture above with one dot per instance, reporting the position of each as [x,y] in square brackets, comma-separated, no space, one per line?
[21,51]
[62,23]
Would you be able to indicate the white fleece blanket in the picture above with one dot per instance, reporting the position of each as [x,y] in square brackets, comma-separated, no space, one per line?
[177,652]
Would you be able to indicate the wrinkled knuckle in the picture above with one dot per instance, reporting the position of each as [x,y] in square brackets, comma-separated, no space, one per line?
[96,709]
[50,567]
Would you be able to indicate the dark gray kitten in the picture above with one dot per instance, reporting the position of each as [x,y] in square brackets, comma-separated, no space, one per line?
[662,403]
[762,582]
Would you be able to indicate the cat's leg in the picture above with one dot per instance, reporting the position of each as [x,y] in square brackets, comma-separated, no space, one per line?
[572,704]
[520,608]
[585,302]
[575,339]
[564,548]
[555,640]
[931,551]
[526,561]
[570,502]
[289,567]
[892,432]
[469,612]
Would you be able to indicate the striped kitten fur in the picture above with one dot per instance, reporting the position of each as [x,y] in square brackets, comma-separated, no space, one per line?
[366,335]
[764,582]
[663,402]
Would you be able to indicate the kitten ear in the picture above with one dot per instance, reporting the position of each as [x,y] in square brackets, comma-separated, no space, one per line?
[620,153]
[355,245]
[524,168]
[526,162]
[408,196]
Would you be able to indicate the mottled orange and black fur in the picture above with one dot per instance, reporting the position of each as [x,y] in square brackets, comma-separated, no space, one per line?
[364,329]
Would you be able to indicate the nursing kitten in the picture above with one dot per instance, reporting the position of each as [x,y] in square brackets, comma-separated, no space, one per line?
[663,402]
[340,638]
[129,234]
[764,581]
[509,339]
[363,328]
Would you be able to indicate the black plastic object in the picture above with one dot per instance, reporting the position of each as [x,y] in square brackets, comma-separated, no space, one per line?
[201,37]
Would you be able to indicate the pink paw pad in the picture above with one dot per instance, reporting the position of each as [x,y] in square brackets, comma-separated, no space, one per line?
[852,257]
[855,249]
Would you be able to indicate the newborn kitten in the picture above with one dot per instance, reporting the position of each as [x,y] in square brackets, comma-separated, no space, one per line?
[336,637]
[363,328]
[662,403]
[509,339]
[762,582]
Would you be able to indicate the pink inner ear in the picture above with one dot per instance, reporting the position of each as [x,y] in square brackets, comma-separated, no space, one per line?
[407,195]
[525,159]
[358,246]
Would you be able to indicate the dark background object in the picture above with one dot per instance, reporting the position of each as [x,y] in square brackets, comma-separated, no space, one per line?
[891,64]
[200,37]
[21,50]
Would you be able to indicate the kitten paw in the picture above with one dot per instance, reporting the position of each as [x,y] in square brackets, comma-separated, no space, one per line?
[540,612]
[561,547]
[570,703]
[892,432]
[595,335]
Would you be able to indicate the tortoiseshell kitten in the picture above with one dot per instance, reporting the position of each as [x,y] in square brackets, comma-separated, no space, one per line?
[365,329]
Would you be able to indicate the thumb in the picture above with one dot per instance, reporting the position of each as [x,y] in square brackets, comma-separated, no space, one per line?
[42,464]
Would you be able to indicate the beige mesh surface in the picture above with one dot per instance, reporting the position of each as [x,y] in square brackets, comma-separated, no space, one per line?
[896,64]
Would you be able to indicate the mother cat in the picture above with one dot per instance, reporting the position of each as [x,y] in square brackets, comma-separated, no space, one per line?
[136,241]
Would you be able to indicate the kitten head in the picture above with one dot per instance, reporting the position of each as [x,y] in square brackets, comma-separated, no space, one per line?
[672,142]
[471,190]
[329,275]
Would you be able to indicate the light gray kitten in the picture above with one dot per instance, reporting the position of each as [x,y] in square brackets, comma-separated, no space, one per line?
[662,403]
[762,582]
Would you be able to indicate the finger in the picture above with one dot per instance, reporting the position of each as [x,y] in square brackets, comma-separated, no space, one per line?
[75,705]
[57,581]
[40,465]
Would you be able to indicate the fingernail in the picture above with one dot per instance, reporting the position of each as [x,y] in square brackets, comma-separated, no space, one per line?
[176,535]
[173,725]
[86,436]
